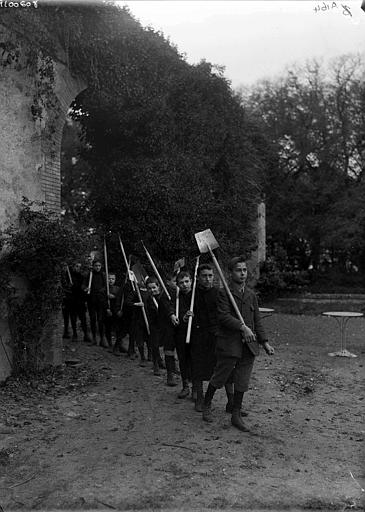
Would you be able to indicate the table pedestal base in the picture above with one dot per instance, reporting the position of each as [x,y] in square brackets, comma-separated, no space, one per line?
[342,353]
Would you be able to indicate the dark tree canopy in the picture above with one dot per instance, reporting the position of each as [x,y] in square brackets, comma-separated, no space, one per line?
[313,119]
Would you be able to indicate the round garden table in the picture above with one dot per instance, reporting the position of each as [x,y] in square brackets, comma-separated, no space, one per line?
[265,312]
[342,317]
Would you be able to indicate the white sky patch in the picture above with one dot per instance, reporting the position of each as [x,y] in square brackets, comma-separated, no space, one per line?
[255,39]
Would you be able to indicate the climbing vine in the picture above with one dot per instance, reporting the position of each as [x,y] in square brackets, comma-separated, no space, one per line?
[35,252]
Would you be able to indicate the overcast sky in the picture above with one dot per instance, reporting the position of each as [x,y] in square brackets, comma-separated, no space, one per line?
[255,39]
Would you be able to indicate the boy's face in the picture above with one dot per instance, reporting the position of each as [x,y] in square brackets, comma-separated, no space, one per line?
[77,267]
[239,273]
[205,278]
[112,279]
[97,266]
[184,284]
[172,282]
[153,289]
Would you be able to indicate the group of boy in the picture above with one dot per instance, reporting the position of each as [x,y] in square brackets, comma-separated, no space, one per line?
[221,349]
[90,293]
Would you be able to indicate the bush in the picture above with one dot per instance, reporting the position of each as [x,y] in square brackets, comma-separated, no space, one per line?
[274,281]
[35,251]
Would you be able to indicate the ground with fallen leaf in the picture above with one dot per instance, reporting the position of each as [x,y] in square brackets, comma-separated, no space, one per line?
[110,434]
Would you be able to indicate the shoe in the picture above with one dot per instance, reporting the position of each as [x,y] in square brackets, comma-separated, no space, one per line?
[170,381]
[199,406]
[103,343]
[184,392]
[207,413]
[229,408]
[237,422]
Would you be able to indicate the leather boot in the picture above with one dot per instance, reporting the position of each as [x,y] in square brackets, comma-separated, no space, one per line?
[143,359]
[149,354]
[229,404]
[103,342]
[170,364]
[199,402]
[236,418]
[207,413]
[156,369]
[185,390]
[237,422]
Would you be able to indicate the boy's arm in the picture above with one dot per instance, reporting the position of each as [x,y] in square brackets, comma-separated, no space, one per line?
[230,321]
[224,312]
[259,329]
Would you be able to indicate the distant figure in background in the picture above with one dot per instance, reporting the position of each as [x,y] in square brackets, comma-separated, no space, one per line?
[96,301]
[66,300]
[111,319]
[78,301]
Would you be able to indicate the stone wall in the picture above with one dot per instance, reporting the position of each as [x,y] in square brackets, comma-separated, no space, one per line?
[32,116]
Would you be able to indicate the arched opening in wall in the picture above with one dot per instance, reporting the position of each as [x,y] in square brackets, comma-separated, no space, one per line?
[74,172]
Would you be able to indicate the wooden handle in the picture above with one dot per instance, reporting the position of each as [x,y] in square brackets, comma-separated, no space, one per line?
[190,321]
[143,309]
[156,272]
[229,293]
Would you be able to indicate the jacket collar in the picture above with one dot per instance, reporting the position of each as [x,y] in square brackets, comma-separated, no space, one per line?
[239,292]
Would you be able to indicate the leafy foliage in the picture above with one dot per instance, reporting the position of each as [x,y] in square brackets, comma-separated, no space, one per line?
[35,252]
[314,118]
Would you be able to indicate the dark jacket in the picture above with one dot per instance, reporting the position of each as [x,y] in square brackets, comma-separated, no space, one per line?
[78,295]
[98,288]
[205,310]
[115,303]
[230,339]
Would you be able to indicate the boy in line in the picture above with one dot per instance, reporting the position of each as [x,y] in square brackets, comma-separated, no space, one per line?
[138,335]
[180,322]
[111,319]
[96,301]
[78,301]
[237,343]
[153,305]
[204,332]
[166,309]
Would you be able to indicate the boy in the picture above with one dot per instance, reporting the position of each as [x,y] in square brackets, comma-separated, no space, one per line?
[78,301]
[138,335]
[96,301]
[237,345]
[153,305]
[166,309]
[205,326]
[112,321]
[184,283]
[66,300]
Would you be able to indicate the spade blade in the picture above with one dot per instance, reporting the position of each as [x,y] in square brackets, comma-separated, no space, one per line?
[206,240]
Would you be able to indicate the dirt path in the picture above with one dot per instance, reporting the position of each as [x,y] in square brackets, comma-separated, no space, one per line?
[127,442]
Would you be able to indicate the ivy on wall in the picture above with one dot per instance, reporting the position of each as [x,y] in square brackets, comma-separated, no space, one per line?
[35,252]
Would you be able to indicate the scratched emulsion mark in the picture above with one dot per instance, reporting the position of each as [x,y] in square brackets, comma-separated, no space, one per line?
[329,6]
